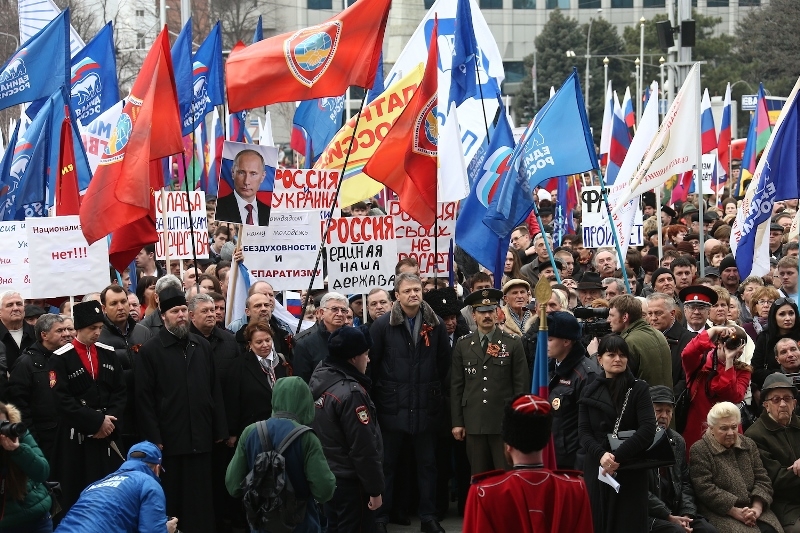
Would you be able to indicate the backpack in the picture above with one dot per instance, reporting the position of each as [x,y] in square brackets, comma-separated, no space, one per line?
[269,499]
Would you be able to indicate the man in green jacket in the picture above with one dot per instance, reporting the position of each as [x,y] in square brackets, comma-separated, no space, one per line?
[777,435]
[306,466]
[650,358]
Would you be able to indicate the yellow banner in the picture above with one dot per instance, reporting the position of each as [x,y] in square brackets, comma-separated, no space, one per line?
[376,120]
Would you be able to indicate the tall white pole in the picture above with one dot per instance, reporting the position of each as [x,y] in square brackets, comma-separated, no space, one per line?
[162,13]
[588,57]
[641,72]
[699,185]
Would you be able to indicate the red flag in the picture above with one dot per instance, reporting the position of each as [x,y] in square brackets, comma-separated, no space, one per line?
[412,140]
[321,60]
[121,192]
[68,199]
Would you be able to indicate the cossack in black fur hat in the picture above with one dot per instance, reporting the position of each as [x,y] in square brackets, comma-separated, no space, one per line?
[444,301]
[85,314]
[348,342]
[527,423]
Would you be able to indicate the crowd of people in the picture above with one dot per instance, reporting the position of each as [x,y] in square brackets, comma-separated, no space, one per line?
[413,390]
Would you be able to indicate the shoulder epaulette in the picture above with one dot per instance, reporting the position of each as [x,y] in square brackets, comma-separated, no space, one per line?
[464,336]
[477,478]
[105,346]
[509,334]
[64,349]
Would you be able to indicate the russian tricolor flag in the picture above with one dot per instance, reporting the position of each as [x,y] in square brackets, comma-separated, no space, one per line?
[605,136]
[708,133]
[627,108]
[724,141]
[620,141]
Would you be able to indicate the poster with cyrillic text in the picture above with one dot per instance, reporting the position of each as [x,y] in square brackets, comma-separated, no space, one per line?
[362,254]
[305,189]
[284,252]
[14,271]
[183,209]
[418,243]
[61,261]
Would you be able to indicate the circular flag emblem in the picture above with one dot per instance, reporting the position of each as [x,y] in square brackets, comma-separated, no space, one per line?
[426,129]
[120,135]
[310,51]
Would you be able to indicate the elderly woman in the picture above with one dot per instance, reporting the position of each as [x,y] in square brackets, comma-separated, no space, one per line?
[731,485]
[616,395]
[760,303]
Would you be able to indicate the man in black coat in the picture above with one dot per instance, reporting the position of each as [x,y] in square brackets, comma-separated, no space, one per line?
[89,387]
[410,359]
[15,333]
[181,409]
[29,385]
[661,314]
[311,345]
[671,507]
[227,360]
[347,426]
[153,321]
[121,332]
[570,371]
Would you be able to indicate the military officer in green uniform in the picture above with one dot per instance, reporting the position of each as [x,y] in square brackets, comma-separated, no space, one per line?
[488,368]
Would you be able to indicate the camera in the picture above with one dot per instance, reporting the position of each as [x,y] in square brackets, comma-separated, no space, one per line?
[593,321]
[735,341]
[12,430]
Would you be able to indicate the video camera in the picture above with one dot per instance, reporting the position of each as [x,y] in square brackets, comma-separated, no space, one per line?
[594,321]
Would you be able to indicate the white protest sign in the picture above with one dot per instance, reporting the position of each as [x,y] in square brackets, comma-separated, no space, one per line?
[709,161]
[61,261]
[14,271]
[597,232]
[417,242]
[96,134]
[361,254]
[179,232]
[305,189]
[284,252]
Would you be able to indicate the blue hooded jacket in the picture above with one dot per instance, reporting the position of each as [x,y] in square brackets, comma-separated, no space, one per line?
[129,500]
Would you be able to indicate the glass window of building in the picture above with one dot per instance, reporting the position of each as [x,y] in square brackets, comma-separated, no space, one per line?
[491,4]
[320,4]
[524,4]
[429,3]
[561,4]
[621,3]
[589,4]
[718,3]
[654,3]
[749,3]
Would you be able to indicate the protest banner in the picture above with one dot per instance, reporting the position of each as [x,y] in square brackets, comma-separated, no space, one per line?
[14,271]
[179,233]
[61,261]
[709,161]
[284,252]
[416,242]
[597,232]
[362,254]
[305,189]
[96,134]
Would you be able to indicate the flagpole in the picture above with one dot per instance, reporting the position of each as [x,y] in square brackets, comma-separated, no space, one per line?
[658,222]
[330,214]
[546,244]
[188,199]
[234,272]
[604,192]
[164,227]
[701,200]
[483,104]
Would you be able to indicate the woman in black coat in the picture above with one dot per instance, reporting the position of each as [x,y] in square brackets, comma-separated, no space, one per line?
[260,368]
[781,322]
[599,407]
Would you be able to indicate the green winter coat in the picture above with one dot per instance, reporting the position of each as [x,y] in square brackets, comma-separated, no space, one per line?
[30,459]
[290,395]
[651,359]
[779,448]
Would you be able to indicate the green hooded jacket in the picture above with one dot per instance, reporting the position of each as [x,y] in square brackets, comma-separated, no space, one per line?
[290,395]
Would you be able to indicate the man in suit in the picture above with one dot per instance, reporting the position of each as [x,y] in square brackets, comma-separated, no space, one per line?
[242,205]
[489,367]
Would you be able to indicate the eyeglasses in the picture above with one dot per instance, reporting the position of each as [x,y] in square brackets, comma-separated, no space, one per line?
[765,302]
[696,307]
[337,310]
[776,400]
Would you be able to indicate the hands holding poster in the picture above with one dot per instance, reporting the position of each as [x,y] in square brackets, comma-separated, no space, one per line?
[246,179]
[361,253]
[417,242]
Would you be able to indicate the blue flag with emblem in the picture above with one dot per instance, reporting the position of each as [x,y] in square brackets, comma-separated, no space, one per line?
[320,119]
[258,33]
[474,237]
[556,143]
[208,84]
[777,177]
[39,67]
[93,77]
[8,183]
[181,53]
[465,55]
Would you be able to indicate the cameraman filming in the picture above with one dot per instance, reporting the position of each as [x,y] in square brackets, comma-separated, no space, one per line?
[650,357]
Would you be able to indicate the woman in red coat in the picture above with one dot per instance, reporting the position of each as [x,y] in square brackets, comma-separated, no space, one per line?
[721,377]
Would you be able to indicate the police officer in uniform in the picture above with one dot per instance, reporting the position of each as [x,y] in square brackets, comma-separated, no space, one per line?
[346,423]
[488,368]
[89,386]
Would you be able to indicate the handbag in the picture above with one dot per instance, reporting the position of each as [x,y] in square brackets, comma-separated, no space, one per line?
[658,454]
[684,399]
[54,490]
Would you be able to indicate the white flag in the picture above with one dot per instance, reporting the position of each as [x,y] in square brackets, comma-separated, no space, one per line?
[36,14]
[675,146]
